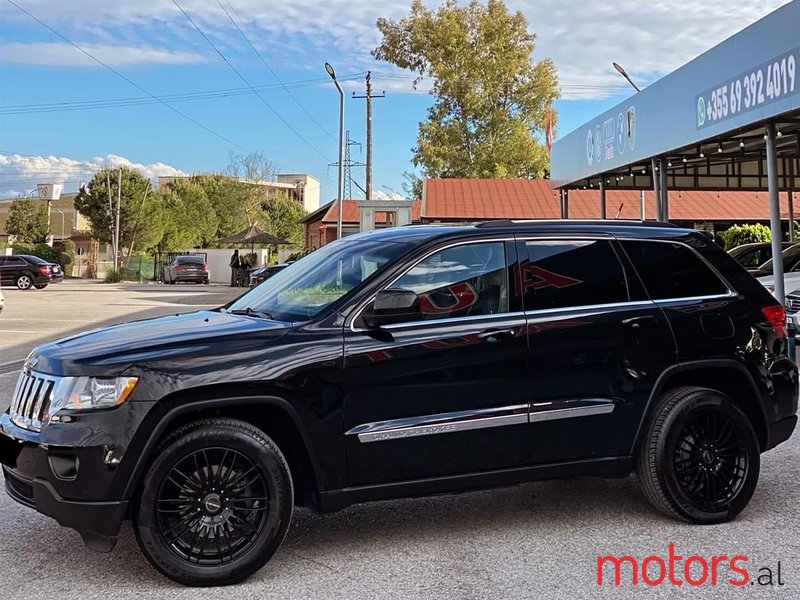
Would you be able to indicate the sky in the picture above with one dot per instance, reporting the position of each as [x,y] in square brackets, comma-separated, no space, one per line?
[184,83]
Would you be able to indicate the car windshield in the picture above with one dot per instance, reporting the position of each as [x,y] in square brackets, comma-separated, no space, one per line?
[789,255]
[306,287]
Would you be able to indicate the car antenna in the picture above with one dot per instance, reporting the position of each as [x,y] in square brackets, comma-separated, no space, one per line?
[619,211]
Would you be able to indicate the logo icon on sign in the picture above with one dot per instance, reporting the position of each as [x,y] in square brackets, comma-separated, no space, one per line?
[589,147]
[622,133]
[598,144]
[701,111]
[631,122]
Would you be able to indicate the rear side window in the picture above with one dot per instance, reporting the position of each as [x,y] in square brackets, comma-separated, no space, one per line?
[671,270]
[565,273]
[36,260]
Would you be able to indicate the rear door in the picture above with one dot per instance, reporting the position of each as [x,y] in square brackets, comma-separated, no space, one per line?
[446,394]
[594,354]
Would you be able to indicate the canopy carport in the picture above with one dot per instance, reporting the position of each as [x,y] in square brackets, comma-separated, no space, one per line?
[729,119]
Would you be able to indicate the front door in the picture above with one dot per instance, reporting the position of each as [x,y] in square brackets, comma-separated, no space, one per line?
[594,355]
[448,393]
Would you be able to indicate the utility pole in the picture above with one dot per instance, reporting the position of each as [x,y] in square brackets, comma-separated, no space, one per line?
[116,228]
[111,214]
[369,96]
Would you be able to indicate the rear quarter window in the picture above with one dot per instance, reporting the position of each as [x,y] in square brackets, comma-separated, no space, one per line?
[671,270]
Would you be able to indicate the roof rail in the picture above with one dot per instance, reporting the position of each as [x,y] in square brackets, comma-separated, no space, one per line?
[604,222]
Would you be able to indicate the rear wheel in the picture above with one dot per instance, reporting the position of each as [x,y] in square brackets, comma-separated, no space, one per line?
[216,503]
[24,281]
[41,286]
[700,458]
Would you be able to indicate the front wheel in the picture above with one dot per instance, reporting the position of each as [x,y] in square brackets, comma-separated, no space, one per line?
[700,459]
[216,503]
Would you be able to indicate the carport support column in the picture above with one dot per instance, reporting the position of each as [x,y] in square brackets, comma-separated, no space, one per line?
[664,189]
[602,196]
[566,203]
[774,213]
[656,190]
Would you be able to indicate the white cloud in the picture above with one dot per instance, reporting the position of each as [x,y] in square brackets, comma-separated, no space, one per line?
[58,54]
[649,39]
[381,195]
[20,174]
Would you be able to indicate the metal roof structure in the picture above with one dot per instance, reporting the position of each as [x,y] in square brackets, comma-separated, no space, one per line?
[729,119]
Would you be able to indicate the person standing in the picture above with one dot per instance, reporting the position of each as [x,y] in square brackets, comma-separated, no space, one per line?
[235,264]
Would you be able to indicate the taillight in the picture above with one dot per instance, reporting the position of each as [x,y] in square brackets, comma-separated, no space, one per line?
[179,267]
[776,315]
[205,267]
[44,269]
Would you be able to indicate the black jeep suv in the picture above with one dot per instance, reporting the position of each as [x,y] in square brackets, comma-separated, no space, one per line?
[404,362]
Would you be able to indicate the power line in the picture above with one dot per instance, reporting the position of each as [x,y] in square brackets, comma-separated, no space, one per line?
[247,83]
[261,58]
[14,109]
[120,75]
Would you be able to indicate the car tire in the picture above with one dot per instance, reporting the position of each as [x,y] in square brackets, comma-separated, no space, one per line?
[24,281]
[40,286]
[700,457]
[223,538]
[205,282]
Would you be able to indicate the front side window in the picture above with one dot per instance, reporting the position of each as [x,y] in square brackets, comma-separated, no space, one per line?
[461,281]
[671,270]
[566,273]
[307,287]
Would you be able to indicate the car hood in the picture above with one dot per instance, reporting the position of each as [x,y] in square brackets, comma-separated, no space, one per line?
[112,350]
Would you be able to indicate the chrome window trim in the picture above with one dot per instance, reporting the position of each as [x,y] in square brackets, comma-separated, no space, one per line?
[583,307]
[357,312]
[394,429]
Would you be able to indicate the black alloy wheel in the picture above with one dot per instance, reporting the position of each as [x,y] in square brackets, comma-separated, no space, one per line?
[710,459]
[216,503]
[212,506]
[700,457]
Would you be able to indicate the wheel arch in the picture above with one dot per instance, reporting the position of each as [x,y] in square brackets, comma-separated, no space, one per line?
[274,416]
[724,375]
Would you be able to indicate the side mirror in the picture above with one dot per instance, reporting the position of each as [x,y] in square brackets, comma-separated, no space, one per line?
[393,306]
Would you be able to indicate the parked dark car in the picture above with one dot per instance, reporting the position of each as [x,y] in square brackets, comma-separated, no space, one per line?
[261,274]
[751,256]
[791,263]
[187,269]
[26,271]
[403,362]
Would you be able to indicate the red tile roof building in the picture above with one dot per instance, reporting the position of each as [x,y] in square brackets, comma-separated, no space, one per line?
[462,200]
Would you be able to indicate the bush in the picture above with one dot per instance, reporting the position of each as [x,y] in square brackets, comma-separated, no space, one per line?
[299,255]
[745,234]
[112,276]
[63,256]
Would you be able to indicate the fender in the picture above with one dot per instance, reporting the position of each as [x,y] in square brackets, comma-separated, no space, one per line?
[173,413]
[679,369]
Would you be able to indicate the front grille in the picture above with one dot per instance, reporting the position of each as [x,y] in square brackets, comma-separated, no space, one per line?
[793,304]
[31,400]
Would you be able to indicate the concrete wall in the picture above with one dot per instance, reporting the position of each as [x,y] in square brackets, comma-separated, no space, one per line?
[309,185]
[219,259]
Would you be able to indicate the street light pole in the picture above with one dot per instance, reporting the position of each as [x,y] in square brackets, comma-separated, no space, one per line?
[625,75]
[332,73]
[62,223]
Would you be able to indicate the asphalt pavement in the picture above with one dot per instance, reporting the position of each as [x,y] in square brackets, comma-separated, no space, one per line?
[538,540]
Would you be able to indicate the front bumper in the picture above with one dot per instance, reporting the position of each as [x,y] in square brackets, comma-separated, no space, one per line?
[66,483]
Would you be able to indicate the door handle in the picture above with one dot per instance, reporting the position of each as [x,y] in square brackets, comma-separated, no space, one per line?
[636,322]
[495,335]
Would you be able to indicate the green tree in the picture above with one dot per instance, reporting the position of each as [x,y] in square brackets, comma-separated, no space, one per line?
[229,199]
[492,99]
[282,217]
[138,212]
[198,215]
[745,234]
[27,221]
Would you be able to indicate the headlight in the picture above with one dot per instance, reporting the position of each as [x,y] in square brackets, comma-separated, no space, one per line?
[87,393]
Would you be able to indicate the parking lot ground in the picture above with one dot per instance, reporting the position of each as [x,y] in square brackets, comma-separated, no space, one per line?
[538,540]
